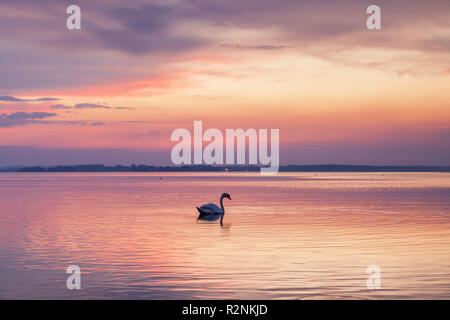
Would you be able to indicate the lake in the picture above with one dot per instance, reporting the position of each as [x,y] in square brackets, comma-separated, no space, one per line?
[289,236]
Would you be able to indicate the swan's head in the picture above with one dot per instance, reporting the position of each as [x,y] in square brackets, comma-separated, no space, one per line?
[226,195]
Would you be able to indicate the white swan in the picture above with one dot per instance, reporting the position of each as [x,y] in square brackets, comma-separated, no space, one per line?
[212,212]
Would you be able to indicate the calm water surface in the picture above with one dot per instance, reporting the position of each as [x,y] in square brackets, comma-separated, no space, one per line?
[292,236]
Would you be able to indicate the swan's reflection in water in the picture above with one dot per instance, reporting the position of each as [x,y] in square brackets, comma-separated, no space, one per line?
[212,223]
[210,218]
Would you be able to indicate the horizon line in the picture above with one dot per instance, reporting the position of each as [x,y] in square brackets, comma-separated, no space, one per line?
[225,168]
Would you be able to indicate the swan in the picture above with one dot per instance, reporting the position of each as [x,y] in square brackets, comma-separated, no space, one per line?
[212,212]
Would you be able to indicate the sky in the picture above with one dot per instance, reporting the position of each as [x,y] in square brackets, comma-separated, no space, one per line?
[114,91]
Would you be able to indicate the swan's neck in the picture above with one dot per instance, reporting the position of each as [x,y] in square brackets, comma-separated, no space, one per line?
[221,206]
[223,211]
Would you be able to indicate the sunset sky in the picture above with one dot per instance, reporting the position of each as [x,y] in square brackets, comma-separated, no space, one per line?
[114,91]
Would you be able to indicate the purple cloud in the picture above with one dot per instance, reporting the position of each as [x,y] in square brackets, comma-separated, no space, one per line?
[119,38]
[15,99]
[21,118]
[91,106]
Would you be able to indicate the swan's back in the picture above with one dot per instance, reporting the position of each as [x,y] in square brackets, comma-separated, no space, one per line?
[209,208]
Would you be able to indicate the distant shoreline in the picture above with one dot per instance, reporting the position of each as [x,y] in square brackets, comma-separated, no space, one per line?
[204,168]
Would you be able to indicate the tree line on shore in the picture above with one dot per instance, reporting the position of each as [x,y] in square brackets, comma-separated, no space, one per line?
[234,168]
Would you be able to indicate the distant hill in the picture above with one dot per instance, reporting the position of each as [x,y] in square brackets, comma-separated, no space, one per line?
[205,168]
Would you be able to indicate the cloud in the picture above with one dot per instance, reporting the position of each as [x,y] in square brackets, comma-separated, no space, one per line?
[91,106]
[60,106]
[139,28]
[144,29]
[137,40]
[15,99]
[86,106]
[22,118]
[81,106]
[254,47]
[26,115]
[25,118]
